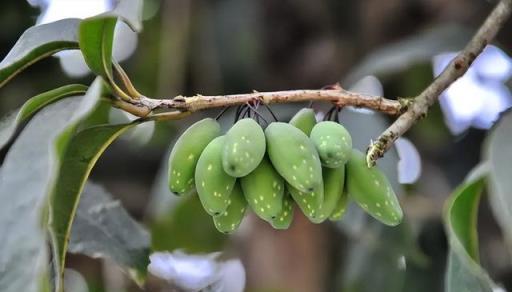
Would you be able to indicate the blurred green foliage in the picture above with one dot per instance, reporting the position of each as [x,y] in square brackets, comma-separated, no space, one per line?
[187,226]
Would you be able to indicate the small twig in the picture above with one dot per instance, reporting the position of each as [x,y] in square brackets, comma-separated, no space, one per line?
[167,116]
[337,117]
[271,112]
[457,67]
[132,91]
[244,112]
[221,113]
[255,111]
[327,116]
[238,112]
[133,108]
[340,97]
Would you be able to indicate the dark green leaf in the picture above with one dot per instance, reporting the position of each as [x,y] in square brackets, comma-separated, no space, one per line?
[96,40]
[464,272]
[38,42]
[103,228]
[26,178]
[8,126]
[82,152]
[499,155]
[97,34]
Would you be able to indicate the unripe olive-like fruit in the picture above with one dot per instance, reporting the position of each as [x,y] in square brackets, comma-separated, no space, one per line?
[284,219]
[213,184]
[304,120]
[294,156]
[333,143]
[310,202]
[370,188]
[186,152]
[244,148]
[334,181]
[340,208]
[264,189]
[229,221]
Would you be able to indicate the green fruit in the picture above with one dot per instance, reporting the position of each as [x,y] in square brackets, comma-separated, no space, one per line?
[186,152]
[284,219]
[264,189]
[340,208]
[304,120]
[213,185]
[334,180]
[244,148]
[294,156]
[229,221]
[333,143]
[310,203]
[370,188]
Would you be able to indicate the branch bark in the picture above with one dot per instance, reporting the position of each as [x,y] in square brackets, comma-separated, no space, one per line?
[458,66]
[142,106]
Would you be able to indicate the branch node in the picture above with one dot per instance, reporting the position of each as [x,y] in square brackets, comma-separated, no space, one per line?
[405,103]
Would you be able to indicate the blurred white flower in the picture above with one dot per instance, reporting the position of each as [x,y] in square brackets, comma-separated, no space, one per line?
[478,97]
[74,281]
[72,62]
[402,263]
[232,277]
[53,10]
[198,272]
[409,165]
[498,289]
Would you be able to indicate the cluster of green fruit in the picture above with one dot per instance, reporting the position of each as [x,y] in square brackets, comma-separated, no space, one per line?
[309,163]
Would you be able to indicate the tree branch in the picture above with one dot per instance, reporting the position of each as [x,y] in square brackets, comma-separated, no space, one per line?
[143,106]
[458,66]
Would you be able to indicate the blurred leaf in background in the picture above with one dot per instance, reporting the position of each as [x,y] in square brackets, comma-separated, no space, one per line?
[464,272]
[103,228]
[25,245]
[499,155]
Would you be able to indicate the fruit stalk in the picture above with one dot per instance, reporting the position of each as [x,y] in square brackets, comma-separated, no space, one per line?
[334,94]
